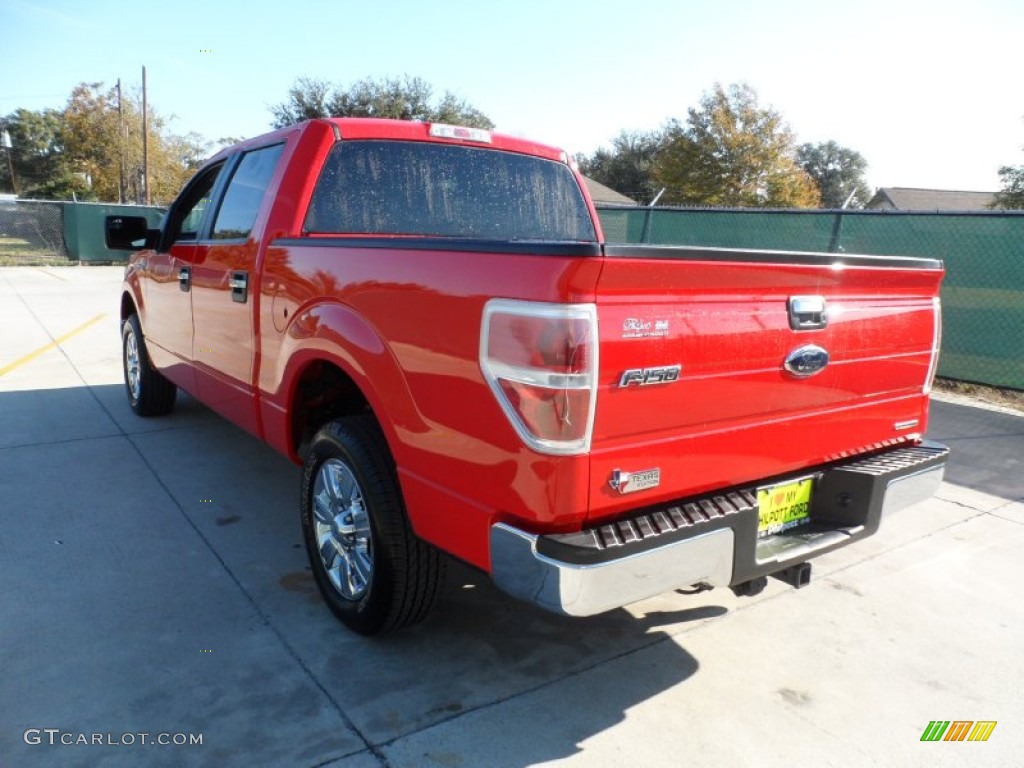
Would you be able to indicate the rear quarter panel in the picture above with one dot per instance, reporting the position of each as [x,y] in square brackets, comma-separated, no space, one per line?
[405,325]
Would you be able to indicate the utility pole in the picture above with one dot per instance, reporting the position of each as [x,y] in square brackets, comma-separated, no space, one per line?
[145,143]
[120,145]
[5,138]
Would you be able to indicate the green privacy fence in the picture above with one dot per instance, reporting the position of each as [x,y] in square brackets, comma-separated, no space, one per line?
[84,230]
[70,230]
[982,295]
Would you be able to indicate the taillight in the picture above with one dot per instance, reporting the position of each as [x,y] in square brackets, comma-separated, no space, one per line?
[933,365]
[540,361]
[459,132]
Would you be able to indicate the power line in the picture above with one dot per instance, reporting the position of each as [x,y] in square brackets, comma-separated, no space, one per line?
[33,96]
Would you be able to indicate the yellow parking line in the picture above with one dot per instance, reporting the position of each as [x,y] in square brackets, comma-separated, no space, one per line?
[55,277]
[55,343]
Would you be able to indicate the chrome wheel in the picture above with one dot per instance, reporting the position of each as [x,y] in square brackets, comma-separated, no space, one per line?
[372,571]
[149,393]
[342,529]
[131,364]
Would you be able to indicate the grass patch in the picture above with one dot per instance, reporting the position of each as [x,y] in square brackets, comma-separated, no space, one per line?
[15,252]
[1008,398]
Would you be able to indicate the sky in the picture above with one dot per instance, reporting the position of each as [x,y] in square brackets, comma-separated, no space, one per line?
[928,92]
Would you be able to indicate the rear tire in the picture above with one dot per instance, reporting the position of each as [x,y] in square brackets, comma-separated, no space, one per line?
[374,574]
[149,393]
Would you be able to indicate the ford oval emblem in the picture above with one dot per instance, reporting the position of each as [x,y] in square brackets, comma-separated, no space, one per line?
[806,361]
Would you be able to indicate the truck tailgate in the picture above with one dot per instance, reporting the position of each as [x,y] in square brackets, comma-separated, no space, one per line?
[731,413]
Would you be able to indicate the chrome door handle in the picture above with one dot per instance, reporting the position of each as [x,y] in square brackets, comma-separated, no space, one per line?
[239,285]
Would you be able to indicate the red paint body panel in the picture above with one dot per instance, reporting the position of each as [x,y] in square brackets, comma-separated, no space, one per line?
[411,343]
[404,324]
[735,416]
[169,335]
[224,343]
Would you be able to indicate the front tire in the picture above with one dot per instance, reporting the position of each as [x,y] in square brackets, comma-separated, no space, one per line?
[149,393]
[373,572]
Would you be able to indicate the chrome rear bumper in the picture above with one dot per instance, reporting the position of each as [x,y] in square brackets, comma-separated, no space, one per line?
[707,540]
[583,590]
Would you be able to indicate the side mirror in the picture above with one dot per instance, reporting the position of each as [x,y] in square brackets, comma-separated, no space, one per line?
[129,233]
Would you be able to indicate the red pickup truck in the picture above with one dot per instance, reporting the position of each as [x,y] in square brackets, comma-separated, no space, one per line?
[427,319]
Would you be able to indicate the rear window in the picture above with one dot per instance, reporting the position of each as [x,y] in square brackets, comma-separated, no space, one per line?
[441,190]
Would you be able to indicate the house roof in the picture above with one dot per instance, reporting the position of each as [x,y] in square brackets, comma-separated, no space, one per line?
[599,193]
[913,199]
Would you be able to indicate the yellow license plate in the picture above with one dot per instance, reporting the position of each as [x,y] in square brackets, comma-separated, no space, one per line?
[781,507]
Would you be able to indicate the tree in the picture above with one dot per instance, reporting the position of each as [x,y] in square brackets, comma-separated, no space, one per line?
[838,172]
[92,141]
[1011,196]
[307,99]
[94,146]
[76,152]
[629,166]
[37,146]
[733,152]
[406,98]
[226,141]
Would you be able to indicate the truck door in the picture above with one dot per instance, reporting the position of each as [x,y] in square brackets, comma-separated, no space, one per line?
[167,284]
[224,287]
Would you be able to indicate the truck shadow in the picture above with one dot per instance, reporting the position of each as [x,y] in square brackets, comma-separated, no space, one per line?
[558,681]
[986,448]
[520,685]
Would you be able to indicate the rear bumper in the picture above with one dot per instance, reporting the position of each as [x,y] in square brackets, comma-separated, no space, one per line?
[709,539]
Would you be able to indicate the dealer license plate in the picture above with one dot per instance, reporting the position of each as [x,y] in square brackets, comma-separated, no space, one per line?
[785,506]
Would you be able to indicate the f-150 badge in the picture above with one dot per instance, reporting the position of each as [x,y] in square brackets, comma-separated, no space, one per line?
[631,482]
[642,377]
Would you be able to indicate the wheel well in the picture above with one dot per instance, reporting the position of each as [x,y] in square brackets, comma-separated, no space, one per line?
[127,306]
[323,392]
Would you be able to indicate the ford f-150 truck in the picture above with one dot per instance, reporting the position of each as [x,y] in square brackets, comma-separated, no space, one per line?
[427,318]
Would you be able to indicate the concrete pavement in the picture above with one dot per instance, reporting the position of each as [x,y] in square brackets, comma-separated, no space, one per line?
[154,582]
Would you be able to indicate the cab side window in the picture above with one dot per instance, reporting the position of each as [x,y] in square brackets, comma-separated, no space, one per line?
[187,216]
[245,192]
[190,226]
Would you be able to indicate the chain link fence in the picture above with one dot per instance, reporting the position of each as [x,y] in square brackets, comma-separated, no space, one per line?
[37,232]
[31,228]
[982,294]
